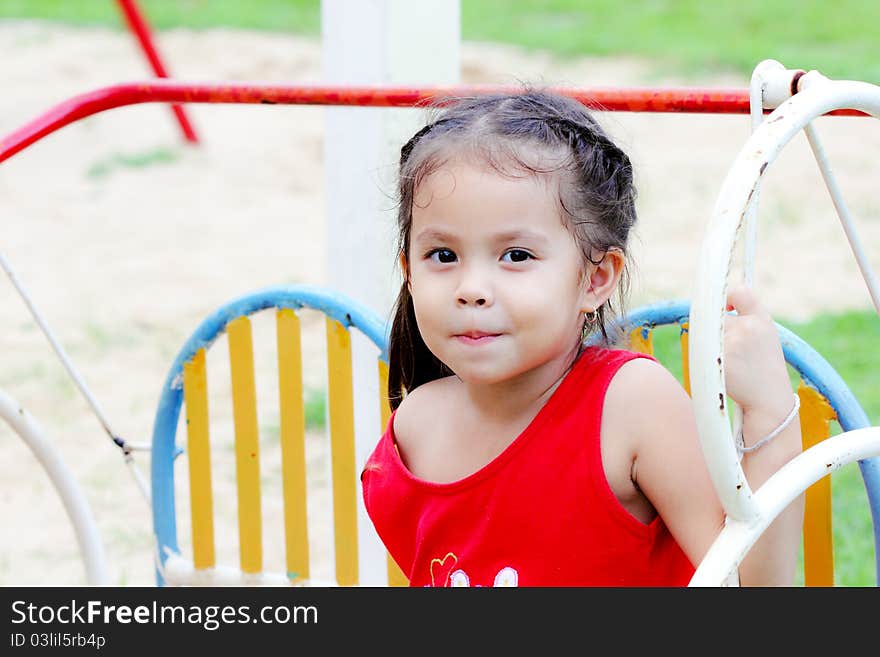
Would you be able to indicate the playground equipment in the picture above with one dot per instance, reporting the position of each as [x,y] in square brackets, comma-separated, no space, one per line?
[807,96]
[748,514]
[140,28]
[188,379]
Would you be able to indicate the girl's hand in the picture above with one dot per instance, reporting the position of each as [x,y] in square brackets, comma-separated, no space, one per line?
[755,372]
[757,379]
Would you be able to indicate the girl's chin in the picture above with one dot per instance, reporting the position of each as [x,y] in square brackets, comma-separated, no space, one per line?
[477,377]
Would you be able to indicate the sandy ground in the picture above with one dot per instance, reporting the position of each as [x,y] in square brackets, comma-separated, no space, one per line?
[124,261]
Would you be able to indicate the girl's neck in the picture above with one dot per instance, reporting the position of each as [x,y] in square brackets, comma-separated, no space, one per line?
[524,394]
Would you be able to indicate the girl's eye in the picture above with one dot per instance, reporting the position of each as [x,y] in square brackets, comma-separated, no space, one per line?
[517,255]
[443,256]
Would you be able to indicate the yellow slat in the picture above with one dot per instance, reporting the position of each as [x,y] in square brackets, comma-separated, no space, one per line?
[198,449]
[815,415]
[395,574]
[642,341]
[293,443]
[341,411]
[247,454]
[685,370]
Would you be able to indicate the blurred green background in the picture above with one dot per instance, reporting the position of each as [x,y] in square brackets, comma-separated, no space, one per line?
[687,37]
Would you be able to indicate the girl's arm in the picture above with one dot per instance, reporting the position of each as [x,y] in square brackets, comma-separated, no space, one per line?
[667,461]
[757,378]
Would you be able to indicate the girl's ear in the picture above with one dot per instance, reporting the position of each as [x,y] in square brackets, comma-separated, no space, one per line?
[602,280]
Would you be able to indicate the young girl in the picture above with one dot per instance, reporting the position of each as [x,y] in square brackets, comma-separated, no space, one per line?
[515,455]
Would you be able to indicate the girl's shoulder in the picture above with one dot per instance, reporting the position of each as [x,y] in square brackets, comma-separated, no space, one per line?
[646,385]
[622,372]
[643,383]
[422,408]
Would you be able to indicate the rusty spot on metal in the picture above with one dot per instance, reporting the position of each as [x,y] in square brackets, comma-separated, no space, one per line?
[795,79]
[721,399]
[763,166]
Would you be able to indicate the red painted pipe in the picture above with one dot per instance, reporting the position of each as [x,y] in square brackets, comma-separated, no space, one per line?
[141,29]
[694,100]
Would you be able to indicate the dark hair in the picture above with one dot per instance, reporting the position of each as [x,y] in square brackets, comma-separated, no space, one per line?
[534,132]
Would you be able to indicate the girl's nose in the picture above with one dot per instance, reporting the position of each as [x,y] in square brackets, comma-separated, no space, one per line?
[474,290]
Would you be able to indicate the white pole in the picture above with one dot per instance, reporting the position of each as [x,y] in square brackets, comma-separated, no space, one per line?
[374,42]
[75,503]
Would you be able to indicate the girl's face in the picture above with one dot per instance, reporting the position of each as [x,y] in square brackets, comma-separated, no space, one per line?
[496,279]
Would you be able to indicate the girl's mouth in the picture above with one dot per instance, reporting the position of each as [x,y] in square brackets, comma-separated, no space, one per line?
[476,337]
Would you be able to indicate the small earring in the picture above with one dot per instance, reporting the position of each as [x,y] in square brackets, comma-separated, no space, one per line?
[590,320]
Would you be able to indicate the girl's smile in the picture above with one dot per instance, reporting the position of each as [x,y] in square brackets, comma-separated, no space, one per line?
[477,337]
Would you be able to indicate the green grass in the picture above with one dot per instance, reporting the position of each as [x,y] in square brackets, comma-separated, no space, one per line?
[299,16]
[138,160]
[315,408]
[690,36]
[847,341]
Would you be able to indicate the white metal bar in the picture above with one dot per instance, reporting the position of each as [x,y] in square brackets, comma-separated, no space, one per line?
[75,503]
[843,213]
[78,381]
[790,481]
[706,362]
[757,85]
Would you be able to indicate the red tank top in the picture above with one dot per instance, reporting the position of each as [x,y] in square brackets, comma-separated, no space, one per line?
[539,514]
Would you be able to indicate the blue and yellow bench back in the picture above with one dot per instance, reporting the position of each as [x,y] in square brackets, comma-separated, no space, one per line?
[187,382]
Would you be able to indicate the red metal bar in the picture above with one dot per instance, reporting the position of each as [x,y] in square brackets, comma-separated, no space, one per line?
[141,29]
[644,99]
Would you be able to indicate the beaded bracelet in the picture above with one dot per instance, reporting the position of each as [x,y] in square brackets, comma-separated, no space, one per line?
[740,442]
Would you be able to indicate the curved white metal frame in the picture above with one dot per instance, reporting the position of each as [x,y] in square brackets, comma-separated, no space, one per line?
[74,500]
[778,491]
[749,514]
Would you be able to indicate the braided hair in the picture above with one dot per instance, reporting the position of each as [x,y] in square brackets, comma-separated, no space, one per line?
[535,133]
